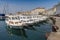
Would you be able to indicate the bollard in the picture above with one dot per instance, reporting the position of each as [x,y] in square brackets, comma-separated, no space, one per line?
[54,28]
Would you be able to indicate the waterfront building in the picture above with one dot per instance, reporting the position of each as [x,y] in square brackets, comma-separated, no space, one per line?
[38,10]
[24,12]
[34,11]
[51,11]
[57,8]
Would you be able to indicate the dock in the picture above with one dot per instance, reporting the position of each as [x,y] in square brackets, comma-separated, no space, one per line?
[55,35]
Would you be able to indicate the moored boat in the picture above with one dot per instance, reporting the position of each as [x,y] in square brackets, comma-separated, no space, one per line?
[21,20]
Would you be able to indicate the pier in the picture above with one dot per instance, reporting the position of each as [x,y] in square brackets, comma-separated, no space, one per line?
[55,35]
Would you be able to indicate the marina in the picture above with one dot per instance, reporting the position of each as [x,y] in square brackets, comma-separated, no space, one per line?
[29,20]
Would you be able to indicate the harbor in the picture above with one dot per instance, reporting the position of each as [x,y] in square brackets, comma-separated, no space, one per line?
[30,20]
[37,28]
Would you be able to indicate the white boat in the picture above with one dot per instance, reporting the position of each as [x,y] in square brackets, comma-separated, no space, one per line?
[20,20]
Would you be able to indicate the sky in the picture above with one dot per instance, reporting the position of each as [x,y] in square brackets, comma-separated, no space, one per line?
[13,6]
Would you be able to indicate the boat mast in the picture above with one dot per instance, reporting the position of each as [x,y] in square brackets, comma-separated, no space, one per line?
[5,9]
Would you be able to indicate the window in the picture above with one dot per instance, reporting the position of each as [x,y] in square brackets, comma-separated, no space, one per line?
[16,18]
[29,17]
[40,13]
[9,18]
[34,16]
[21,17]
[13,18]
[24,17]
[30,20]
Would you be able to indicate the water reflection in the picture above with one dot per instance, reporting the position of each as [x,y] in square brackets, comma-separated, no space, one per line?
[32,26]
[21,32]
[37,24]
[17,32]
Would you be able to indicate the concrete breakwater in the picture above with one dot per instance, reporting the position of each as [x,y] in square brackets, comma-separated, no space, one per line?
[55,35]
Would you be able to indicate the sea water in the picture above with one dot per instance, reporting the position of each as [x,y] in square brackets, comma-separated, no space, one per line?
[36,32]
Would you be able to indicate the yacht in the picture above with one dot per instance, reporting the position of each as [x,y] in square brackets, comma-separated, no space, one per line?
[21,20]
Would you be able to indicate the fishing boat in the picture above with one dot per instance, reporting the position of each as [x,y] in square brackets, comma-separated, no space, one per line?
[21,20]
